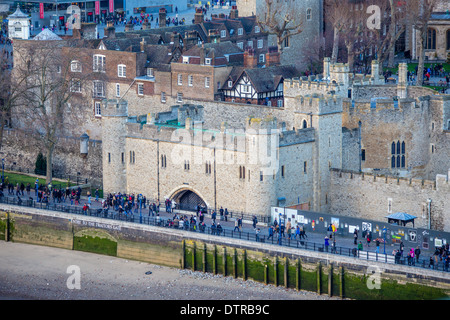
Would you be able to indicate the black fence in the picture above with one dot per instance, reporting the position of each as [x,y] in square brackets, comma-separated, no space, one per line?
[276,239]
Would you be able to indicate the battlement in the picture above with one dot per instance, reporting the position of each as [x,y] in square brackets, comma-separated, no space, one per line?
[114,108]
[319,103]
[309,85]
[441,182]
[381,104]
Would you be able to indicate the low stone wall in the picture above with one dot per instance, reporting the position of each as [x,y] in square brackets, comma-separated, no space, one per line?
[289,267]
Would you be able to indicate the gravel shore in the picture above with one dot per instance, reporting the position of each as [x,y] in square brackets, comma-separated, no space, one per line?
[43,273]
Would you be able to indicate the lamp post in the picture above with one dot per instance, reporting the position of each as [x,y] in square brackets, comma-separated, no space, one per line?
[384,238]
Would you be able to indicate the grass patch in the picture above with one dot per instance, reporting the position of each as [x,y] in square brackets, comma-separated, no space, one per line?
[412,67]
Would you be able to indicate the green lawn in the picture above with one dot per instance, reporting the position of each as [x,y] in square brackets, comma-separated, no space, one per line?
[412,67]
[19,178]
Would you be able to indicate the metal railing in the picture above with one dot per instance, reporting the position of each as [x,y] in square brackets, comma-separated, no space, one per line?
[276,239]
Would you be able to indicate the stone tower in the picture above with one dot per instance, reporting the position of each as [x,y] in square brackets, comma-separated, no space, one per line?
[326,119]
[262,141]
[114,118]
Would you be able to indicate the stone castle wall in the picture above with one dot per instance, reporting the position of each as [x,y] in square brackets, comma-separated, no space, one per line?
[20,152]
[374,197]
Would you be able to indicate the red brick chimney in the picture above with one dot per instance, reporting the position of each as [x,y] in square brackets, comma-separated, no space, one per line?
[198,16]
[234,12]
[273,56]
[250,60]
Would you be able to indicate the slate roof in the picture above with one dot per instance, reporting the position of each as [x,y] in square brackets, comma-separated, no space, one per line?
[263,79]
[214,50]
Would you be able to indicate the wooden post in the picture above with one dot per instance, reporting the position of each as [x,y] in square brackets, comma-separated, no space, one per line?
[341,282]
[8,228]
[298,280]
[330,280]
[319,278]
[275,271]
[204,257]
[235,263]
[193,257]
[266,274]
[183,254]
[215,260]
[224,261]
[244,265]
[286,271]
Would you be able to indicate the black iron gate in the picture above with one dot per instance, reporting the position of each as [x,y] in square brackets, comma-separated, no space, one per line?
[188,200]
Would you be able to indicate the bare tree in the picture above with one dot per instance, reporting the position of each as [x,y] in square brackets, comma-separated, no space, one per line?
[281,20]
[338,14]
[52,97]
[420,14]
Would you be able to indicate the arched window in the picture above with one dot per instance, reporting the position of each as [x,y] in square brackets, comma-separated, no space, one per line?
[304,124]
[309,14]
[431,39]
[398,154]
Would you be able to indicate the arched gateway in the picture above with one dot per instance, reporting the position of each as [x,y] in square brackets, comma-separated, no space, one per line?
[187,199]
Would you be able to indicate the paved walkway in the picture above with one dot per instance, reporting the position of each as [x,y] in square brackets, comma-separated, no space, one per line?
[344,241]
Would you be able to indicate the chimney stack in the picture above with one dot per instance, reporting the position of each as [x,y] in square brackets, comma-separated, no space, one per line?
[250,60]
[110,31]
[198,17]
[234,12]
[162,17]
[273,56]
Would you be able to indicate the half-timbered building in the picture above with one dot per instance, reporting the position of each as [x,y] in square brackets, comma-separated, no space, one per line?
[262,86]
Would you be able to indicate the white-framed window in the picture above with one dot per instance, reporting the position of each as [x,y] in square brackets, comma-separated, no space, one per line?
[99,89]
[185,59]
[280,103]
[260,43]
[121,71]
[163,96]
[309,14]
[97,109]
[99,63]
[117,90]
[230,83]
[246,88]
[257,29]
[190,80]
[180,79]
[207,82]
[223,33]
[261,57]
[240,31]
[208,61]
[250,43]
[140,89]
[269,103]
[240,45]
[179,97]
[75,85]
[150,72]
[75,66]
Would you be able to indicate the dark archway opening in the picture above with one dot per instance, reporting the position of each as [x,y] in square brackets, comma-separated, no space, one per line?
[189,200]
